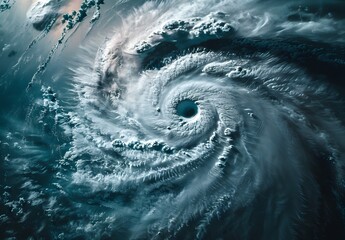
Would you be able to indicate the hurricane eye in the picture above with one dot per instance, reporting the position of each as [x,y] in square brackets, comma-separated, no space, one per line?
[187,108]
[158,119]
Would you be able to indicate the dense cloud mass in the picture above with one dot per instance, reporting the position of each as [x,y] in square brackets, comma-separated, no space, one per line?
[203,119]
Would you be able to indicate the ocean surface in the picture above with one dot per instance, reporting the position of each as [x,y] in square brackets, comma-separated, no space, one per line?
[205,119]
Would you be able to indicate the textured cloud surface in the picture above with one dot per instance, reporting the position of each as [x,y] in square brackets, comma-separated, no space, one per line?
[172,119]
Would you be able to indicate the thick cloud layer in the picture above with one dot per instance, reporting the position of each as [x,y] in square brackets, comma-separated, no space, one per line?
[176,120]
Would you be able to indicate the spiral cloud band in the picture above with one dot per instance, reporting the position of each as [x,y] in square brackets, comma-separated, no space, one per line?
[201,120]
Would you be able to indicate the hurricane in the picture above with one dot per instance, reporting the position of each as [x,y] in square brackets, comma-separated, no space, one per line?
[217,119]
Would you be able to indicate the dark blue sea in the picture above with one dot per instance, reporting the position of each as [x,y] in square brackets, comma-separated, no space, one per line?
[205,119]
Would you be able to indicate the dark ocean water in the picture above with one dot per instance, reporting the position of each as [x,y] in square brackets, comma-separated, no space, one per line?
[172,119]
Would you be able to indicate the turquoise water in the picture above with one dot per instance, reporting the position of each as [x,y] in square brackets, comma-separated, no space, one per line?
[172,120]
